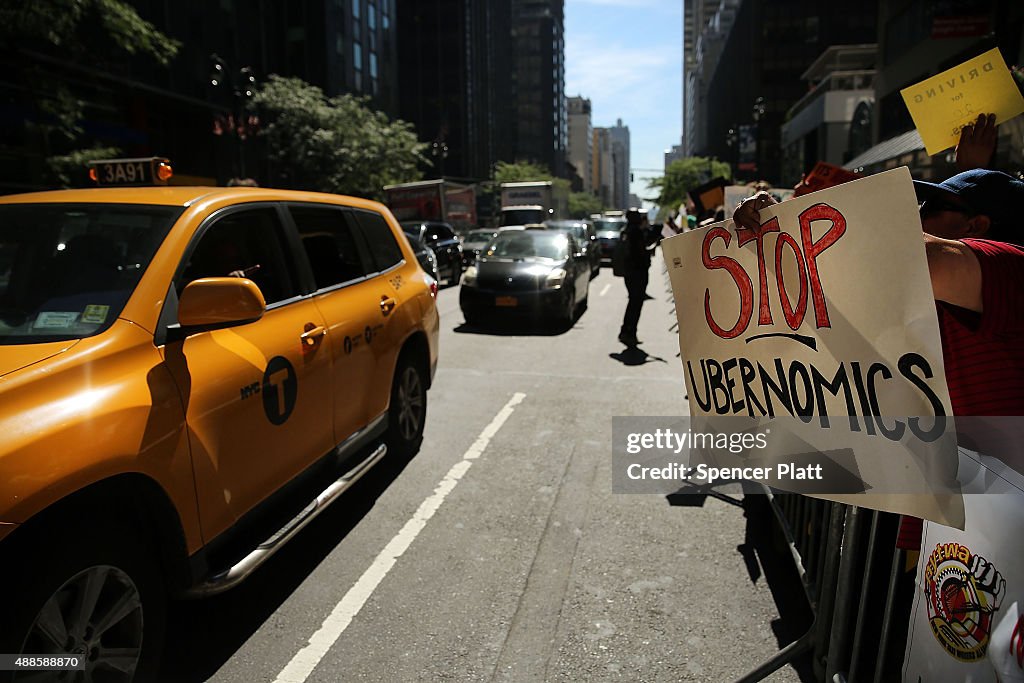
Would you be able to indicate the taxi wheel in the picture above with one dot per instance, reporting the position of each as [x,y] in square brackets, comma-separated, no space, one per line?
[95,595]
[408,410]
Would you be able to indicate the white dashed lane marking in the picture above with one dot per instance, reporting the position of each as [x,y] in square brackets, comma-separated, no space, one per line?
[306,659]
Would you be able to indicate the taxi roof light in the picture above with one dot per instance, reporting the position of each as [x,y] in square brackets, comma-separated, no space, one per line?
[144,171]
[164,171]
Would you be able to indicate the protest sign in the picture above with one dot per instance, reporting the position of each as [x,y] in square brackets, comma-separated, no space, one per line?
[709,196]
[944,104]
[818,322]
[968,584]
[822,176]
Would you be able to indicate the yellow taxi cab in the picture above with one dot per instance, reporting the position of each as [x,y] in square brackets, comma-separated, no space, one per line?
[188,375]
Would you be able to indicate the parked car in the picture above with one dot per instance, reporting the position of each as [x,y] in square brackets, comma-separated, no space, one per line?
[473,242]
[189,375]
[608,229]
[586,238]
[424,256]
[527,273]
[441,238]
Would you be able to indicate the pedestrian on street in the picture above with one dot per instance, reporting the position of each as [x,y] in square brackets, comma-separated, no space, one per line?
[640,242]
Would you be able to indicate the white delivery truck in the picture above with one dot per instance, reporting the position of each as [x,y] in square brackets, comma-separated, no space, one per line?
[533,201]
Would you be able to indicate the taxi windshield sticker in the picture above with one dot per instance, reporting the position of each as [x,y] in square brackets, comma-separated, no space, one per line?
[95,313]
[50,320]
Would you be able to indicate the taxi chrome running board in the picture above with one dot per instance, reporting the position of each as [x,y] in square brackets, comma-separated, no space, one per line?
[225,580]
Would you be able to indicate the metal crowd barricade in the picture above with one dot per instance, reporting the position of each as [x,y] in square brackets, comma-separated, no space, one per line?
[833,544]
[840,554]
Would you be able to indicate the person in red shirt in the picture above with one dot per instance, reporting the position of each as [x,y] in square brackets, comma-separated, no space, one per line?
[977,274]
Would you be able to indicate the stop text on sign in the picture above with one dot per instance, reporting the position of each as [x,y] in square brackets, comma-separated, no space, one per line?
[806,252]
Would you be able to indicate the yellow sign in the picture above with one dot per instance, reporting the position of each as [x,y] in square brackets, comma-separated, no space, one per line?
[943,104]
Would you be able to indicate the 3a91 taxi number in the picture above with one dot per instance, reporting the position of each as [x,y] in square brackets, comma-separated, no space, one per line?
[146,171]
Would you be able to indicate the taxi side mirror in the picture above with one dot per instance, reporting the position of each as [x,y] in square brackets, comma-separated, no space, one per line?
[214,302]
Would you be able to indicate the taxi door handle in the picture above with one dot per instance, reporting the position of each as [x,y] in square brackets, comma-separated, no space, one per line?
[387,304]
[313,334]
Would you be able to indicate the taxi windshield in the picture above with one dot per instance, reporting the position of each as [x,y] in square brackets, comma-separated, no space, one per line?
[67,270]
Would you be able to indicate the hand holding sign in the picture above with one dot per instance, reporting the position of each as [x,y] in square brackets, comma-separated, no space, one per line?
[747,214]
[977,143]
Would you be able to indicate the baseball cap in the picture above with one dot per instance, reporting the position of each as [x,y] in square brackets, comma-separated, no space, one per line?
[992,193]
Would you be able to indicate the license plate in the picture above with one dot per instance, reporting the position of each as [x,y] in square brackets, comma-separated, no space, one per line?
[506,301]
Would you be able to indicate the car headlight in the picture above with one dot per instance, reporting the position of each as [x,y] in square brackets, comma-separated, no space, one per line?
[555,278]
[469,277]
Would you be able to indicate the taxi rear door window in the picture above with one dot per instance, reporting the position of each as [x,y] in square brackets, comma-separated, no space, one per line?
[381,241]
[328,238]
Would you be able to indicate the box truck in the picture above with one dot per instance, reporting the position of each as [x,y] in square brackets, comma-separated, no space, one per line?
[434,200]
[532,201]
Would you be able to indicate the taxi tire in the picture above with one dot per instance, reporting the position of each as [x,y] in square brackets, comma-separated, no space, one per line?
[407,411]
[61,556]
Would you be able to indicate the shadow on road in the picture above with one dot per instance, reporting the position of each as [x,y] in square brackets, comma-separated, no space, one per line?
[634,355]
[212,630]
[766,555]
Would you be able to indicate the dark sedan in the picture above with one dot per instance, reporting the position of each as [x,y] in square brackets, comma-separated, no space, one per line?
[585,236]
[441,239]
[473,243]
[527,273]
[425,257]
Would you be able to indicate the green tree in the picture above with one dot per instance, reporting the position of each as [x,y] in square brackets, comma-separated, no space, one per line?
[524,171]
[683,175]
[81,31]
[335,144]
[521,171]
[582,204]
[71,170]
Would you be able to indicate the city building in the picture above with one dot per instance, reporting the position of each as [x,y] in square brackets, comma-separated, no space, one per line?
[674,154]
[541,119]
[918,39]
[448,53]
[756,80]
[143,108]
[832,122]
[706,25]
[604,167]
[620,159]
[581,141]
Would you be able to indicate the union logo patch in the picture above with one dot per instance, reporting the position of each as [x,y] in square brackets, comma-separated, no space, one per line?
[963,592]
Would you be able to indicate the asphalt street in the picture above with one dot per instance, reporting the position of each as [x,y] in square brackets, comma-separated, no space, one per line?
[499,552]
